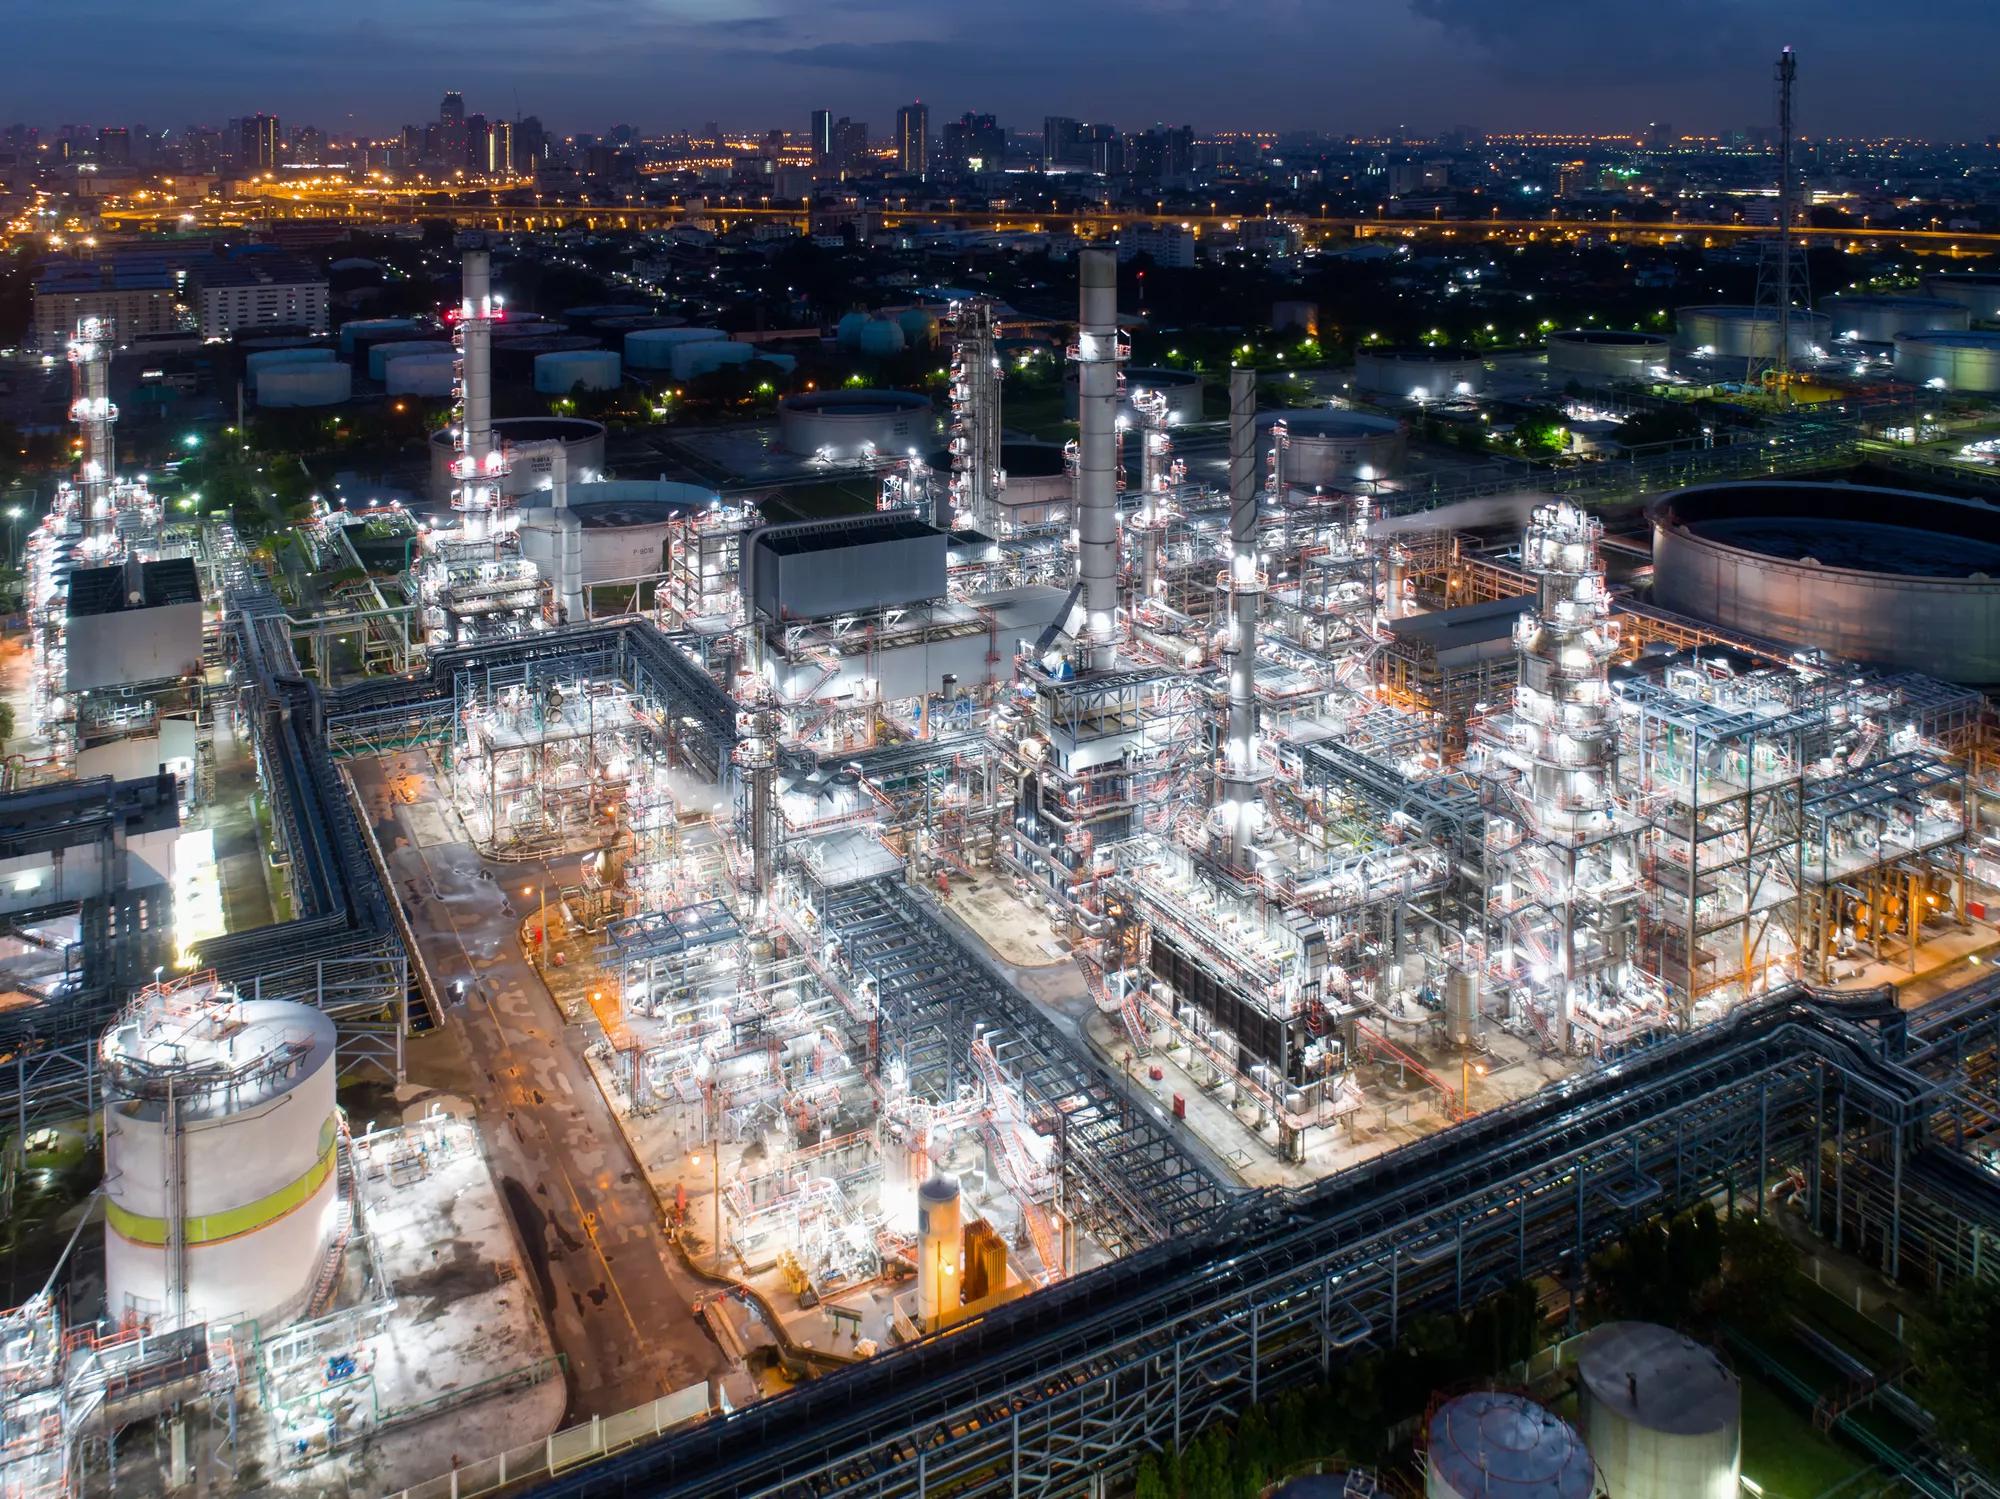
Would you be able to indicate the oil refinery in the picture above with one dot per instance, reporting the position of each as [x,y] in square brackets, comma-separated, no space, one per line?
[1054,959]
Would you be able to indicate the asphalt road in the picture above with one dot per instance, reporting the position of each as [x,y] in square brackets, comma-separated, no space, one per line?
[617,1303]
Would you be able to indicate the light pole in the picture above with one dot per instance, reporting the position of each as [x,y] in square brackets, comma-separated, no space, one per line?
[1465,1085]
[540,888]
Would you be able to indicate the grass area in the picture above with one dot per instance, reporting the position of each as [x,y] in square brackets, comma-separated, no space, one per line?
[1782,1452]
[853,496]
[1036,411]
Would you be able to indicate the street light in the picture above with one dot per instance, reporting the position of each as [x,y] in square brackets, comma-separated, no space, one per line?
[541,917]
[1466,1069]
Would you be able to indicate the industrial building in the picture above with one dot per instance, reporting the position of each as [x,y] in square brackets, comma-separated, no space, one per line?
[973,909]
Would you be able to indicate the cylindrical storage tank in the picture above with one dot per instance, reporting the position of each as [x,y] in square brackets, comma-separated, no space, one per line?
[587,369]
[1864,317]
[218,1118]
[1723,331]
[653,348]
[360,330]
[1662,1415]
[1976,291]
[1461,1007]
[1492,1443]
[882,338]
[382,355]
[1182,388]
[844,425]
[847,332]
[940,1235]
[1038,488]
[583,317]
[919,327]
[1331,449]
[583,453]
[528,326]
[266,359]
[1337,1483]
[421,377]
[1598,356]
[614,329]
[515,358]
[625,526]
[1968,361]
[1887,576]
[699,358]
[1420,374]
[304,385]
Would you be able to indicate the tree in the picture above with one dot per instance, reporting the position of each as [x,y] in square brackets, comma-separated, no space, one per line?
[1149,1483]
[1759,1267]
[1958,1356]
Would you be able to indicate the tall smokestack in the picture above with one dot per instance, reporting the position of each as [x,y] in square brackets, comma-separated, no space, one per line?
[1237,788]
[1097,360]
[94,415]
[478,466]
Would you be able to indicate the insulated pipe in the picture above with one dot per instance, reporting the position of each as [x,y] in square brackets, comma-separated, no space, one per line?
[479,486]
[94,415]
[1237,786]
[1097,359]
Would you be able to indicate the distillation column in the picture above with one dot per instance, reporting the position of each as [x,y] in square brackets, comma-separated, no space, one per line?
[479,466]
[1098,355]
[94,415]
[1237,793]
[976,479]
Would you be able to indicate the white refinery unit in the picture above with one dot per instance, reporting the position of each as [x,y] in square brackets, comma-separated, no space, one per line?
[821,569]
[625,525]
[1600,356]
[850,425]
[1967,361]
[939,1239]
[323,384]
[220,1141]
[1333,449]
[1726,332]
[1662,1415]
[1420,374]
[1876,318]
[133,624]
[1496,1442]
[1181,388]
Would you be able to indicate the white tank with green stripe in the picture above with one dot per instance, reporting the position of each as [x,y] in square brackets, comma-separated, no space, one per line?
[248,1171]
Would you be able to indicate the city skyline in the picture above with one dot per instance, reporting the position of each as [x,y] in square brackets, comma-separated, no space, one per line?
[1427,65]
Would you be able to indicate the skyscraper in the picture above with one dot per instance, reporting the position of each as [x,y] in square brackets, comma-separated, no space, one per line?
[822,137]
[1062,142]
[913,139]
[258,148]
[452,142]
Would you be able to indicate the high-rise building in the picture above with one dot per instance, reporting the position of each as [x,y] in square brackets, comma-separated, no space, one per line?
[259,147]
[114,145]
[1062,143]
[822,137]
[913,140]
[974,143]
[531,145]
[500,149]
[478,141]
[850,144]
[452,140]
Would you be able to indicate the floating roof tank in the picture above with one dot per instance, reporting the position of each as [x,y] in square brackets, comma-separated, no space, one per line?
[1874,319]
[1662,1414]
[358,331]
[1976,291]
[265,359]
[381,356]
[304,385]
[1963,361]
[431,378]
[1494,1443]
[587,369]
[1596,355]
[653,348]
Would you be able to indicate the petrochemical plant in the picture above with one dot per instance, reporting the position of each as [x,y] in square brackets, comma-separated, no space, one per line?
[1097,940]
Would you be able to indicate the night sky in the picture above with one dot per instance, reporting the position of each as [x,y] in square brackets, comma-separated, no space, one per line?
[1924,67]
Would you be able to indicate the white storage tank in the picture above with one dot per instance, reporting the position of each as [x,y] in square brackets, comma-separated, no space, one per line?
[625,526]
[1332,449]
[1968,361]
[1871,318]
[360,330]
[1492,1443]
[1420,374]
[653,348]
[381,356]
[1734,331]
[304,385]
[846,425]
[430,378]
[692,359]
[265,359]
[1976,291]
[1661,1413]
[588,369]
[219,1153]
[1597,356]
